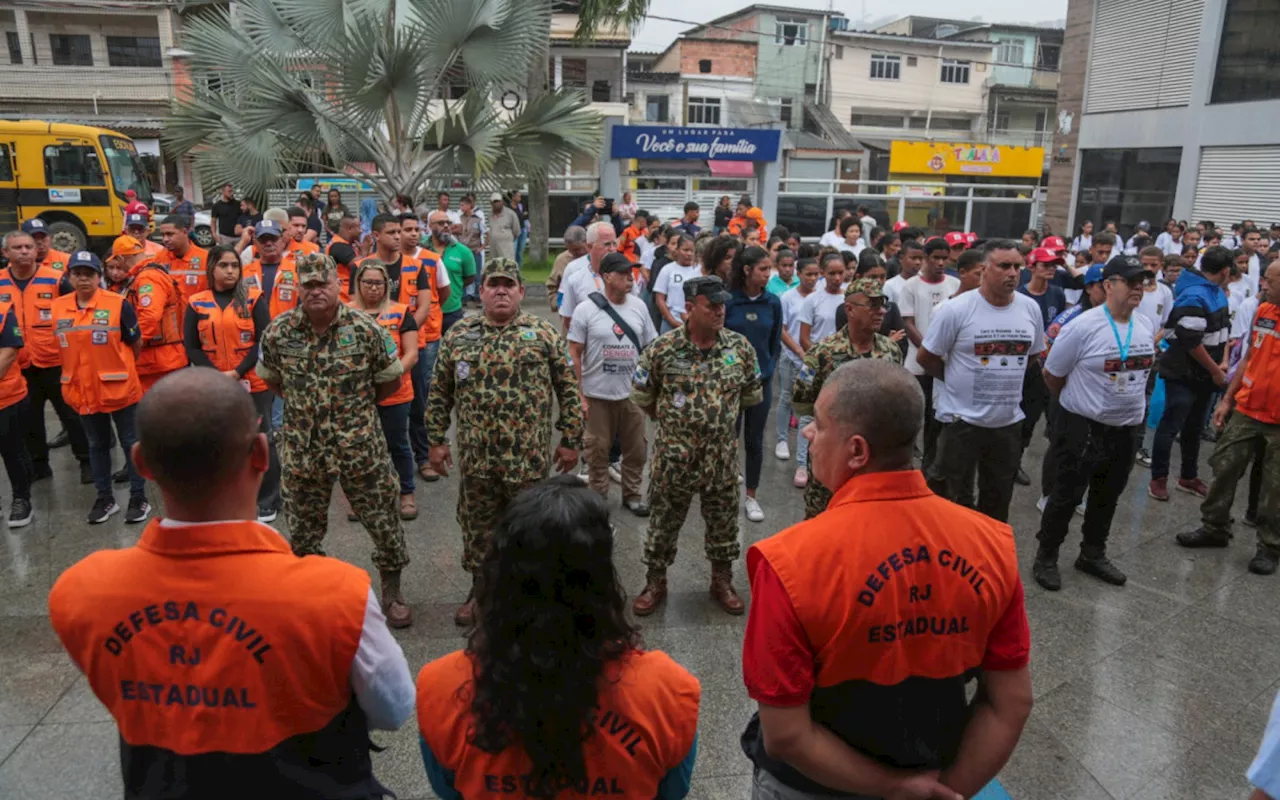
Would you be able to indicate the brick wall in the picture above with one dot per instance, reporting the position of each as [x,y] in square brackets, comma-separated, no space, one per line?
[742,28]
[1074,63]
[727,57]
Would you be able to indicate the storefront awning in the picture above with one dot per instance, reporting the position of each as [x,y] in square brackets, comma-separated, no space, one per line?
[732,169]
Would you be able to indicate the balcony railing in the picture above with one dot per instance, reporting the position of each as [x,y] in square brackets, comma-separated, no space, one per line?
[1019,138]
[86,84]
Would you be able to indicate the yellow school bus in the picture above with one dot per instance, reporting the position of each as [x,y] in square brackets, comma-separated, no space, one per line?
[74,177]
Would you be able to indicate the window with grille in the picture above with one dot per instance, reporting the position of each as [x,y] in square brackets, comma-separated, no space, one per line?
[703,111]
[886,68]
[133,51]
[940,123]
[784,110]
[787,31]
[15,47]
[1011,51]
[876,120]
[955,71]
[71,50]
[655,108]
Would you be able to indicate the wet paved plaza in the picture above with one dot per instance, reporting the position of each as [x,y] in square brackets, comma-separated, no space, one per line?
[1158,690]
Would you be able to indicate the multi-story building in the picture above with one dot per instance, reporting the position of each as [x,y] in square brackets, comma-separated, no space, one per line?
[1167,121]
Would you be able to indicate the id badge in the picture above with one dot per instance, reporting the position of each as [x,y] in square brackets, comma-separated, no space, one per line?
[193,280]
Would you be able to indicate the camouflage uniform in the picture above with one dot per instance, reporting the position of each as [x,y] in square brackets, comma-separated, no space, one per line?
[331,429]
[695,399]
[501,379]
[821,360]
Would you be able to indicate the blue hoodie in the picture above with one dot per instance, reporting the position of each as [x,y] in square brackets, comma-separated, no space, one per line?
[1199,316]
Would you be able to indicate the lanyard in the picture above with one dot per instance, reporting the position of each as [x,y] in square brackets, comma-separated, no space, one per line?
[1128,339]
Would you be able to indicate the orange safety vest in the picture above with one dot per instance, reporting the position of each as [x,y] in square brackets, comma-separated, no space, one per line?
[226,334]
[189,271]
[98,371]
[344,270]
[13,387]
[34,306]
[1259,394]
[433,326]
[301,248]
[219,653]
[391,319]
[56,259]
[409,268]
[149,285]
[284,292]
[643,728]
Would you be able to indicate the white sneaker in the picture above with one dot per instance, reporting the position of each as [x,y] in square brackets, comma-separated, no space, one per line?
[754,512]
[801,478]
[1041,503]
[584,475]
[782,451]
[615,472]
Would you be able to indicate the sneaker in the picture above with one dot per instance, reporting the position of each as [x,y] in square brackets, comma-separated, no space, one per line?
[782,451]
[584,475]
[615,471]
[1021,477]
[801,479]
[61,440]
[1101,568]
[1045,571]
[1251,520]
[1200,538]
[1263,562]
[637,506]
[20,514]
[103,508]
[1159,489]
[267,515]
[1194,486]
[754,512]
[1144,457]
[139,510]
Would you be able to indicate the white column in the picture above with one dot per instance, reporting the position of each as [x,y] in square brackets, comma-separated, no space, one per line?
[24,36]
[558,78]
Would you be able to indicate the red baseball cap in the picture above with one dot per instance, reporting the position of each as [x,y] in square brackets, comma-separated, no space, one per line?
[956,239]
[901,225]
[970,238]
[1045,255]
[1053,243]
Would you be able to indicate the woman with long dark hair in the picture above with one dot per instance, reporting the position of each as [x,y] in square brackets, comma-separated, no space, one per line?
[554,692]
[756,314]
[719,257]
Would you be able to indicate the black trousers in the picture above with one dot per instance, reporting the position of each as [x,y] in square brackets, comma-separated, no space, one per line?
[1035,400]
[932,428]
[993,453]
[13,448]
[44,384]
[1048,465]
[1094,457]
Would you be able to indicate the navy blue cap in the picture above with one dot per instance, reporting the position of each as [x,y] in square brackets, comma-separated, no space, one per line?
[268,228]
[34,226]
[84,258]
[135,219]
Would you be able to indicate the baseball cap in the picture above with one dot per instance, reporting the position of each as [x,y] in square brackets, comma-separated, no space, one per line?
[708,286]
[84,258]
[901,225]
[871,287]
[130,193]
[1054,243]
[970,238]
[615,262]
[314,267]
[1144,226]
[1093,274]
[131,220]
[126,246]
[1045,255]
[1124,267]
[495,197]
[35,227]
[267,228]
[956,239]
[501,268]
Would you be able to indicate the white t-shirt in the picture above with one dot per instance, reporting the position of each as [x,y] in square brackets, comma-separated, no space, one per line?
[671,283]
[1155,306]
[609,357]
[856,248]
[1256,268]
[792,301]
[893,288]
[987,349]
[578,282]
[1237,293]
[818,311]
[1099,386]
[1242,325]
[830,239]
[919,299]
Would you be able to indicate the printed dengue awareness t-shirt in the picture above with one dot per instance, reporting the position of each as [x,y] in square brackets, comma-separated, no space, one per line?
[919,298]
[987,349]
[609,358]
[1100,385]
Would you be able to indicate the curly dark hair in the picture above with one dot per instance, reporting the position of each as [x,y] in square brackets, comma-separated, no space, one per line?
[550,617]
[721,248]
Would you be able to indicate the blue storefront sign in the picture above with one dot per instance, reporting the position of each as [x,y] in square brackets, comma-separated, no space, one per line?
[696,144]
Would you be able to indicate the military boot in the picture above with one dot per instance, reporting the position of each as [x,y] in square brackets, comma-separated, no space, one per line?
[1093,561]
[1202,538]
[1045,568]
[722,590]
[655,592]
[1263,561]
[393,605]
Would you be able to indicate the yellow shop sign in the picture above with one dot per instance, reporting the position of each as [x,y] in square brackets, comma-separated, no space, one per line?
[965,158]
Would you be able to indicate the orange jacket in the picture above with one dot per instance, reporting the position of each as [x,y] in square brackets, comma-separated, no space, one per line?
[284,292]
[344,270]
[627,242]
[644,727]
[301,248]
[226,335]
[13,387]
[157,298]
[391,319]
[409,270]
[98,371]
[56,259]
[1259,394]
[189,271]
[433,326]
[34,306]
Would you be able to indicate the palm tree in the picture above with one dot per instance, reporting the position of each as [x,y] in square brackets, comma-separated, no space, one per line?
[393,91]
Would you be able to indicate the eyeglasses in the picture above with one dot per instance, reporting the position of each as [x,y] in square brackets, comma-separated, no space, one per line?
[372,284]
[873,303]
[1133,282]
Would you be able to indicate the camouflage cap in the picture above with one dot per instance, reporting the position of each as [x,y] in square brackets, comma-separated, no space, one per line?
[501,268]
[316,267]
[871,287]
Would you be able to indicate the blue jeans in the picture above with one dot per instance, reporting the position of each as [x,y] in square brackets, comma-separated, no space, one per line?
[520,243]
[97,428]
[277,413]
[1185,404]
[787,372]
[418,408]
[395,427]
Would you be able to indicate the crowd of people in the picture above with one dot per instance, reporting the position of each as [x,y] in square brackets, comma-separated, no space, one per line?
[289,369]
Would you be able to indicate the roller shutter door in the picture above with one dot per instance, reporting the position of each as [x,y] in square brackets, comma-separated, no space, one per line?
[1238,183]
[1142,54]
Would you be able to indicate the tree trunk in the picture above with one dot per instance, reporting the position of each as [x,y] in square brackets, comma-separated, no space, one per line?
[538,198]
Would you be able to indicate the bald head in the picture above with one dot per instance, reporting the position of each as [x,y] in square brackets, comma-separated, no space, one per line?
[195,429]
[879,401]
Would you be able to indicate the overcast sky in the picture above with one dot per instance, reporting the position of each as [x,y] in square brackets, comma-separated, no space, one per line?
[656,34]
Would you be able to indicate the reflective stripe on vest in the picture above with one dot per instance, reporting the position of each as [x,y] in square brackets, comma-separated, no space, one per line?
[34,306]
[225,335]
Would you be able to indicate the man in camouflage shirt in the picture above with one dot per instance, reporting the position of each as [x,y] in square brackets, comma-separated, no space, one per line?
[500,370]
[864,305]
[694,381]
[332,365]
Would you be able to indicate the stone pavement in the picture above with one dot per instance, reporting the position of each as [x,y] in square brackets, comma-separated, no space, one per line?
[1159,690]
